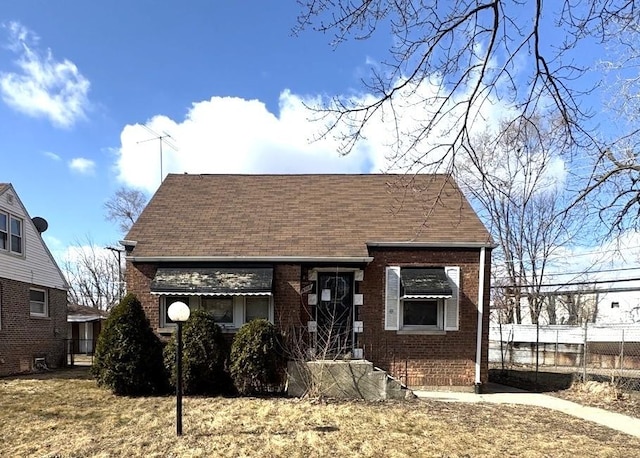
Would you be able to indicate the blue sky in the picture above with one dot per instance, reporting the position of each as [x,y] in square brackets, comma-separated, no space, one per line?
[115,65]
[227,80]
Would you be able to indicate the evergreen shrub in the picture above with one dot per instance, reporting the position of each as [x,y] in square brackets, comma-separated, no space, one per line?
[205,354]
[128,356]
[258,363]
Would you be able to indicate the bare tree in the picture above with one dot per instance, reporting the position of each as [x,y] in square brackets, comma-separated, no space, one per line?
[510,176]
[450,63]
[93,275]
[613,181]
[124,207]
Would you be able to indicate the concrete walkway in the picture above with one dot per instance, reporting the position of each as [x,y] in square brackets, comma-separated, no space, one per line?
[500,394]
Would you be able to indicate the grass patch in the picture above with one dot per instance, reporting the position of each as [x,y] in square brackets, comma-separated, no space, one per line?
[64,414]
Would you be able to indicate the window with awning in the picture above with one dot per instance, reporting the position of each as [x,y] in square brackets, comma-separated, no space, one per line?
[422,299]
[228,281]
[233,295]
[425,283]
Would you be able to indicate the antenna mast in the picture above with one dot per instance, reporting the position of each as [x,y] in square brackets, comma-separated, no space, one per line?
[161,138]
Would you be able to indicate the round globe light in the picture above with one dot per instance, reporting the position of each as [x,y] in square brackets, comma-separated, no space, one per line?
[179,311]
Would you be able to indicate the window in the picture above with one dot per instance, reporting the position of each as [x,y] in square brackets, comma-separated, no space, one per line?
[4,231]
[256,307]
[11,238]
[615,305]
[422,314]
[220,307]
[16,235]
[422,298]
[230,312]
[38,305]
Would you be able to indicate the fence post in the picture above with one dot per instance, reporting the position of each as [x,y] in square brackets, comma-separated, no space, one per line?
[622,354]
[555,356]
[584,353]
[501,346]
[537,347]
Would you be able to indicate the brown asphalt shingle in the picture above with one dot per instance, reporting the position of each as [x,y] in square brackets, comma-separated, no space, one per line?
[301,215]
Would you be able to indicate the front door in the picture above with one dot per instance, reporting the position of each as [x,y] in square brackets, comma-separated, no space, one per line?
[334,314]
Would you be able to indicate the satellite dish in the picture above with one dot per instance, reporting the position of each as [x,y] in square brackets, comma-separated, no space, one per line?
[40,224]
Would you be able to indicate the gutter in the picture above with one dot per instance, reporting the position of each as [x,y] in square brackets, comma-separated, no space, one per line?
[478,380]
[431,244]
[278,259]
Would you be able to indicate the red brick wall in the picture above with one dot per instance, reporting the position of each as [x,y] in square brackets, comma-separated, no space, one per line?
[286,296]
[286,281]
[138,277]
[446,359]
[425,360]
[22,337]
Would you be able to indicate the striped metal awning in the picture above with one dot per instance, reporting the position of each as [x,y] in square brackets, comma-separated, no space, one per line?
[227,281]
[425,283]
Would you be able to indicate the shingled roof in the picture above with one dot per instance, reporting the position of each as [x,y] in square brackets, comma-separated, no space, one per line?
[304,216]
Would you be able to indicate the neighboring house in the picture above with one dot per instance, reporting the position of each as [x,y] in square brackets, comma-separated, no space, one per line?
[85,324]
[33,292]
[392,269]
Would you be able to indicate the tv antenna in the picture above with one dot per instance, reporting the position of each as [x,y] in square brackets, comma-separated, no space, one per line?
[161,138]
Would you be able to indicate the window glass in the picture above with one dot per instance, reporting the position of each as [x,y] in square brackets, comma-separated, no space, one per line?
[16,235]
[3,231]
[220,307]
[38,302]
[420,313]
[257,307]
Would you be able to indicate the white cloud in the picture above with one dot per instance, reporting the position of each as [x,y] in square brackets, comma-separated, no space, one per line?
[82,166]
[233,135]
[43,86]
[52,156]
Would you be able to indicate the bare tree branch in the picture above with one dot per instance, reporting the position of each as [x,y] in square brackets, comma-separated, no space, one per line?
[124,207]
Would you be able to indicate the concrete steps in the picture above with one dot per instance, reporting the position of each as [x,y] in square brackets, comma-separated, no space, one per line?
[356,379]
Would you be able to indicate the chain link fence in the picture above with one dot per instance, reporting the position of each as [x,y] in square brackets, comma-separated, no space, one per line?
[600,352]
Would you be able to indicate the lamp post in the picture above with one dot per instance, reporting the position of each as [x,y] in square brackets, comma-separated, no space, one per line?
[179,313]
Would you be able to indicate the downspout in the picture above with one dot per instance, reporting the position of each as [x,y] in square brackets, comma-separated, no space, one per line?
[478,381]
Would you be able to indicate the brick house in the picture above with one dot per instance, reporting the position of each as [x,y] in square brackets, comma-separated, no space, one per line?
[391,269]
[33,292]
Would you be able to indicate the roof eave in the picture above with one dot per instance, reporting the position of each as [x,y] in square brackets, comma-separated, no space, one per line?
[275,259]
[487,244]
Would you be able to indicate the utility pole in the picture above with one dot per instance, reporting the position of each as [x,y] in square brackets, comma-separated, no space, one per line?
[118,252]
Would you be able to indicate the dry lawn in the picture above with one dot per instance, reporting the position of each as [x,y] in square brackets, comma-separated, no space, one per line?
[65,415]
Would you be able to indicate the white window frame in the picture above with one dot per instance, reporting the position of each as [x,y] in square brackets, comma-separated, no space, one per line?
[9,234]
[195,302]
[45,303]
[415,327]
[394,304]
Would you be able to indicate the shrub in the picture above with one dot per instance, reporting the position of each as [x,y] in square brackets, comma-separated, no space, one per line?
[204,357]
[258,364]
[128,357]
